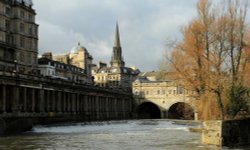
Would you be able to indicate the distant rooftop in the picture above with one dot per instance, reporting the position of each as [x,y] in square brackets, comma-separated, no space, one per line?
[27,3]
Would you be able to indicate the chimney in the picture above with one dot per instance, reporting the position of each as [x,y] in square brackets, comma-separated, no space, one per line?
[102,64]
[47,55]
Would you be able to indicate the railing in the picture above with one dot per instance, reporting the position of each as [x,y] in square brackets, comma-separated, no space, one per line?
[42,79]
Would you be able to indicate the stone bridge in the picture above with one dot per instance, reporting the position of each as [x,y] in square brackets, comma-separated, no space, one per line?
[164,99]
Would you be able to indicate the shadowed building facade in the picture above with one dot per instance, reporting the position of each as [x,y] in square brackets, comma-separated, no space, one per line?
[18,36]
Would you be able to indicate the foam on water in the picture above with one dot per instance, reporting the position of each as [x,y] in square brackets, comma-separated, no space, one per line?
[111,126]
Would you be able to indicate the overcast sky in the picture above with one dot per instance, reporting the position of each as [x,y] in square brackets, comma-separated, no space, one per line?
[145,26]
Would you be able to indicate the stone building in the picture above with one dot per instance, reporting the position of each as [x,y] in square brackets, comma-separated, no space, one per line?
[78,57]
[59,70]
[117,75]
[18,36]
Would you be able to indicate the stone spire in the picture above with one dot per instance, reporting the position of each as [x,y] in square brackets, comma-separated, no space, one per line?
[117,37]
[117,59]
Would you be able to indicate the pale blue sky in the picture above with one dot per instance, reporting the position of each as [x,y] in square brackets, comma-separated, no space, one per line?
[145,26]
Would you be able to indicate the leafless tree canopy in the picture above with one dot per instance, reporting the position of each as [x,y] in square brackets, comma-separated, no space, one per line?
[214,57]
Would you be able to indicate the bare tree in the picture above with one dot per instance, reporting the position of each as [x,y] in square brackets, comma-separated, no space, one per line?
[213,57]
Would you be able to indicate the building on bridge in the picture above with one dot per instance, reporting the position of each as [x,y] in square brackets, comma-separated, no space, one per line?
[117,75]
[163,99]
[18,36]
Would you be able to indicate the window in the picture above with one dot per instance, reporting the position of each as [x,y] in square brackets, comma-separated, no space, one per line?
[22,57]
[180,90]
[7,11]
[22,42]
[7,38]
[7,24]
[163,92]
[30,44]
[158,92]
[30,30]
[21,27]
[12,39]
[29,58]
[1,53]
[2,36]
[30,18]
[170,92]
[22,14]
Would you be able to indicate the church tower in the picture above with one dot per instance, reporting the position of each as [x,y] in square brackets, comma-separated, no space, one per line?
[117,59]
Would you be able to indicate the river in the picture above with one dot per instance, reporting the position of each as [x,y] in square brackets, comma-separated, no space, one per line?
[113,135]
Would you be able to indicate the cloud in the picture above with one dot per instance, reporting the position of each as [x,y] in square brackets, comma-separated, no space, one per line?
[61,40]
[144,27]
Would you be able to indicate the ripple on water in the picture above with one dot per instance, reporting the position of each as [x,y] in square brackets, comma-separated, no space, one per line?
[115,135]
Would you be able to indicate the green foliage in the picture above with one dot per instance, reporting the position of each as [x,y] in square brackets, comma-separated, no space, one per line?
[237,96]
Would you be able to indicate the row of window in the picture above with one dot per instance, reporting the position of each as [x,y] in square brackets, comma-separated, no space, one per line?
[20,41]
[164,92]
[19,13]
[110,84]
[27,58]
[28,29]
[51,72]
[6,54]
[21,57]
[18,27]
[66,67]
[103,78]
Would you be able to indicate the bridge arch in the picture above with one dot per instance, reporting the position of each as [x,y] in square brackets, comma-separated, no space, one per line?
[181,110]
[148,110]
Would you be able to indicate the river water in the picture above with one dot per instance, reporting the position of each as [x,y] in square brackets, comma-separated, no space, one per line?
[114,135]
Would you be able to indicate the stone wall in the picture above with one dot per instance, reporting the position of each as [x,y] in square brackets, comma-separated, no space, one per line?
[211,133]
[236,132]
[226,133]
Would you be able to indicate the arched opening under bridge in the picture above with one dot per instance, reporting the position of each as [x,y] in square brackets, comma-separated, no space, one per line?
[181,111]
[148,110]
